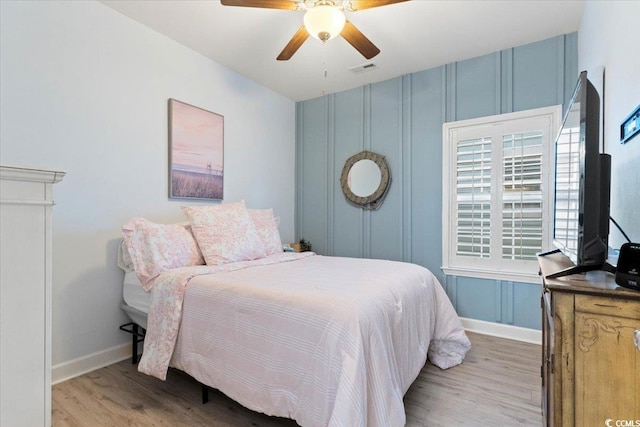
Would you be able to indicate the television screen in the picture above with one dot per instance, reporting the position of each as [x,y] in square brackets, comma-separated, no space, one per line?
[567,184]
[582,183]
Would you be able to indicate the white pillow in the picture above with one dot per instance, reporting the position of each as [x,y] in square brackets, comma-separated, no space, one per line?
[225,233]
[267,228]
[124,259]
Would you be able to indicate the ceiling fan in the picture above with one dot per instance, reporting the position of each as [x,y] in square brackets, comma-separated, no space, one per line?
[323,19]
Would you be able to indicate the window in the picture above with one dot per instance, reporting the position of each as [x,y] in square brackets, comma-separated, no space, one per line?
[498,194]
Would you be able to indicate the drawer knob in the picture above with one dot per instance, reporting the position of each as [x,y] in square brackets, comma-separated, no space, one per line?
[636,338]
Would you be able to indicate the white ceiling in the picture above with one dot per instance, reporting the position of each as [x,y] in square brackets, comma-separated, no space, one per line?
[412,36]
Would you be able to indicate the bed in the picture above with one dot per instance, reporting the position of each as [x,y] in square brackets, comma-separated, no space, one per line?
[326,341]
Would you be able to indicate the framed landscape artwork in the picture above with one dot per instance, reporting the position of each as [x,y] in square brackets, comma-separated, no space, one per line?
[196,143]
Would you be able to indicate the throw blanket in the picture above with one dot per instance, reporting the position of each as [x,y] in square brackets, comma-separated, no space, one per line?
[165,311]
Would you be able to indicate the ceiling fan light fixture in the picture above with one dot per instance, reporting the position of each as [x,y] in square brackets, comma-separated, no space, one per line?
[324,22]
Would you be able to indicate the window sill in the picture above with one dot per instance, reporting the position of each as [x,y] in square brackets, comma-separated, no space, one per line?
[493,275]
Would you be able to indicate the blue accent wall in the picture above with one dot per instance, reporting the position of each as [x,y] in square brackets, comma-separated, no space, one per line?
[402,119]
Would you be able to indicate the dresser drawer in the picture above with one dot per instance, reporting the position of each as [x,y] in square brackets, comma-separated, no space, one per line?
[608,306]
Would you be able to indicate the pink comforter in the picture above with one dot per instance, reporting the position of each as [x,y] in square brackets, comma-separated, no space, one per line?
[322,340]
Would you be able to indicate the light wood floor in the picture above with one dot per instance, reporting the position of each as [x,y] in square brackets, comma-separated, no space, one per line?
[497,385]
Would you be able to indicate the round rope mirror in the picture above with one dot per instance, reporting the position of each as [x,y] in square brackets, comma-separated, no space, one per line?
[365,180]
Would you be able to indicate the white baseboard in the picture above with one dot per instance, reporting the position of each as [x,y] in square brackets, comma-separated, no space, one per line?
[82,365]
[501,330]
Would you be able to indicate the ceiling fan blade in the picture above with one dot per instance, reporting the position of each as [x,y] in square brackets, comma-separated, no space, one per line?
[368,4]
[294,44]
[266,4]
[359,41]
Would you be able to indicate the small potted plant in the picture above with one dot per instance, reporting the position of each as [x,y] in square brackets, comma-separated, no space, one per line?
[301,246]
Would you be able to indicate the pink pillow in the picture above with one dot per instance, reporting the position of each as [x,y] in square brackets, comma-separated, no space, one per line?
[267,228]
[225,233]
[155,248]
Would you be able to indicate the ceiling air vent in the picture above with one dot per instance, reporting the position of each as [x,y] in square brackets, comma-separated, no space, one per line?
[364,68]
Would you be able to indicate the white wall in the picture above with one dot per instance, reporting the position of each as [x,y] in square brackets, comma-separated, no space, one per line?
[608,37]
[84,89]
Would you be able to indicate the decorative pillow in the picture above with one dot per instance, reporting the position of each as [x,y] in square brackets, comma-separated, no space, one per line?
[267,228]
[154,248]
[225,233]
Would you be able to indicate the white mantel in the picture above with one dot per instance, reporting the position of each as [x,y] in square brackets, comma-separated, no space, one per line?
[26,202]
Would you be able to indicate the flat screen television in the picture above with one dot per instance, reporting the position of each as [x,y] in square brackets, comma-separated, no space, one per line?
[582,184]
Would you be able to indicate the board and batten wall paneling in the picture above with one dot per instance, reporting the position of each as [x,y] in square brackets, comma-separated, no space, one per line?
[477,87]
[425,198]
[311,172]
[402,119]
[570,64]
[348,223]
[538,74]
[386,139]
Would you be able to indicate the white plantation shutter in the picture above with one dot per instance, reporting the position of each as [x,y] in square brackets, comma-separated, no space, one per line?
[497,194]
[522,199]
[473,197]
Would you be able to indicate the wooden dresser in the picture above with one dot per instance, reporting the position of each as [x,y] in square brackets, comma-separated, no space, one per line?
[26,202]
[590,348]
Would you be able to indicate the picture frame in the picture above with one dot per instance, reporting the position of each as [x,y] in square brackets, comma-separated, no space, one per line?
[196,152]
